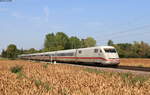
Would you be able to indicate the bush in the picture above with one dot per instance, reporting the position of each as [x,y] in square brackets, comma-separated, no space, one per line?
[45,65]
[38,83]
[16,69]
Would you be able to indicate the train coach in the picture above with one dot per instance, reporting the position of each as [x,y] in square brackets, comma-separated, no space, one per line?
[102,55]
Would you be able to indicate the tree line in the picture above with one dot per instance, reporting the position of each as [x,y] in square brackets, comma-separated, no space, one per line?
[61,41]
[132,50]
[52,42]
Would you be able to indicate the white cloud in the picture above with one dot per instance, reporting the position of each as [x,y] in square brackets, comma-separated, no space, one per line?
[46,13]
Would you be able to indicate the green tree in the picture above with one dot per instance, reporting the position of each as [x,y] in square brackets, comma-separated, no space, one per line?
[83,43]
[89,42]
[135,50]
[11,51]
[59,41]
[21,51]
[62,41]
[4,53]
[50,42]
[74,42]
[32,50]
[110,43]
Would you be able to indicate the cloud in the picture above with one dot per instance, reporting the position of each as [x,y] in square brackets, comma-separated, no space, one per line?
[46,13]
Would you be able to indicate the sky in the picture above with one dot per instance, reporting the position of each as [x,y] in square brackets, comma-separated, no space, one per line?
[26,22]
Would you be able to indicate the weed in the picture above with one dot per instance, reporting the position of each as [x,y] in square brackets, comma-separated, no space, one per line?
[132,79]
[38,82]
[44,85]
[64,91]
[125,75]
[16,69]
[21,75]
[90,70]
[47,87]
[139,79]
[45,65]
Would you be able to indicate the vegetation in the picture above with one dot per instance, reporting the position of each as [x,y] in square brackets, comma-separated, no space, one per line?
[132,50]
[16,69]
[133,79]
[53,42]
[63,79]
[11,52]
[90,70]
[45,65]
[127,77]
[61,41]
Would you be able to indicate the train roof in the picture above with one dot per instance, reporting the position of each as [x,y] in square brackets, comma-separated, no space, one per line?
[69,50]
[98,47]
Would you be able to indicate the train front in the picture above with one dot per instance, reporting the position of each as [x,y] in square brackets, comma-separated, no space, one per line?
[111,56]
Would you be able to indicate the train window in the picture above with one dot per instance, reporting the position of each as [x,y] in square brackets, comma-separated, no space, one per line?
[80,51]
[69,54]
[95,50]
[100,51]
[110,50]
[51,54]
[65,54]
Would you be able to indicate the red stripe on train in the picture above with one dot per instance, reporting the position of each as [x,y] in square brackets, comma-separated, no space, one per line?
[81,58]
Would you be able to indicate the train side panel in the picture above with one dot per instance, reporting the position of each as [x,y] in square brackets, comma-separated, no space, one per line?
[66,56]
[92,55]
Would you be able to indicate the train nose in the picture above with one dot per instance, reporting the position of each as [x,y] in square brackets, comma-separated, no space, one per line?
[114,60]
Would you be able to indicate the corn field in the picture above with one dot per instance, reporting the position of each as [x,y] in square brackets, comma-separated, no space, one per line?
[18,77]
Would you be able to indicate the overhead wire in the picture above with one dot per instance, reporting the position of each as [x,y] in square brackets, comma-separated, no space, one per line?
[126,32]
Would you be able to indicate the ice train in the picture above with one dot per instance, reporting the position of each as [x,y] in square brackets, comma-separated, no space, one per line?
[102,55]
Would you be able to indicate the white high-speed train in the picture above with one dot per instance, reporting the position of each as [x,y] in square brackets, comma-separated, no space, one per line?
[102,55]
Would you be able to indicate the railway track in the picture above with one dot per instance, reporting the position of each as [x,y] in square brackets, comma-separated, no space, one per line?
[131,69]
[135,68]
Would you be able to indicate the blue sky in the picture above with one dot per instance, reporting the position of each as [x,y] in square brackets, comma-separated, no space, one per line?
[26,22]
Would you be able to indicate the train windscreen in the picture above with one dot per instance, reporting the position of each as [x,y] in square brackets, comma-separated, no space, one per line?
[108,50]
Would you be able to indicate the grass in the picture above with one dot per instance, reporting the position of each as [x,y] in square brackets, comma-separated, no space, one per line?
[63,79]
[139,79]
[1,58]
[47,87]
[39,83]
[64,91]
[90,70]
[21,75]
[45,65]
[126,77]
[16,69]
[133,79]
